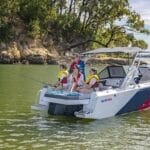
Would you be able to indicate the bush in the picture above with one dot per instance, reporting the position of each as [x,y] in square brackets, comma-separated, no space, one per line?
[34,29]
[5,32]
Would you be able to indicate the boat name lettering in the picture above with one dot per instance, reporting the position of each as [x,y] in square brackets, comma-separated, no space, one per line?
[106,100]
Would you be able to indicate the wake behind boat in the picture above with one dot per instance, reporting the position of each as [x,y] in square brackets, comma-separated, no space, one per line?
[123,89]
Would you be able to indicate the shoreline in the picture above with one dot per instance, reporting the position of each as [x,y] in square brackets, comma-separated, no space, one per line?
[66,60]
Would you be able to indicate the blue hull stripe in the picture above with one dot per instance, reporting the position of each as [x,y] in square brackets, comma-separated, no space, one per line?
[136,101]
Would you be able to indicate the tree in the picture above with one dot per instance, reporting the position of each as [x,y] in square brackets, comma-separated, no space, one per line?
[92,23]
[8,10]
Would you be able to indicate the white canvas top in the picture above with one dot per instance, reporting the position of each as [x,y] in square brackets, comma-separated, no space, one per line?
[114,50]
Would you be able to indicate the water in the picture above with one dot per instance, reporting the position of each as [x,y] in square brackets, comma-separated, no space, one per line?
[23,129]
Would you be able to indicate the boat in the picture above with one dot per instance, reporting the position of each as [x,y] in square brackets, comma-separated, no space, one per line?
[123,89]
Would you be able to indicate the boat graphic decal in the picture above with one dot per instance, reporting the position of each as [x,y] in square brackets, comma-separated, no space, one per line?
[145,105]
[140,98]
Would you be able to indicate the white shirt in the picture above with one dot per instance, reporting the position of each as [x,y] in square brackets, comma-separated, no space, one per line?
[80,81]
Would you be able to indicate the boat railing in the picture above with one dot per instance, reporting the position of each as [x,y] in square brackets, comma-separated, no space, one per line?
[133,70]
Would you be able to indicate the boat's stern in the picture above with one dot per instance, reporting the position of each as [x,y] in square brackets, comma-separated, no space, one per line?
[58,102]
[66,103]
[41,104]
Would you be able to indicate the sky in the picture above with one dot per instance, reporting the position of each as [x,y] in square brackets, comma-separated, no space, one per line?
[143,8]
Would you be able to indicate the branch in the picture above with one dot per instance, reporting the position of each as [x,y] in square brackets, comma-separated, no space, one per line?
[84,42]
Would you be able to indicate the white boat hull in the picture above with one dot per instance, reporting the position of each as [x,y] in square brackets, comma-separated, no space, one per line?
[102,104]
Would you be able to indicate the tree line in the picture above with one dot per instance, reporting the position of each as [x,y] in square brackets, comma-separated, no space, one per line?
[71,23]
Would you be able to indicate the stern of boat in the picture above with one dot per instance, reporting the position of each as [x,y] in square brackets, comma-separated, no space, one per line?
[41,104]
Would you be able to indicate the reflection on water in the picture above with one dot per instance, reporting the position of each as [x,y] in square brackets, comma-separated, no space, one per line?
[23,129]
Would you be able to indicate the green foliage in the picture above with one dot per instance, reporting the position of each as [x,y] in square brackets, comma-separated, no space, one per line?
[140,43]
[8,9]
[74,20]
[5,32]
[34,29]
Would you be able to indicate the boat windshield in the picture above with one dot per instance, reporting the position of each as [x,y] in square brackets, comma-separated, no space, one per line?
[112,72]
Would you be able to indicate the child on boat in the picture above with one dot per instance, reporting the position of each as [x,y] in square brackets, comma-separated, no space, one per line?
[92,82]
[62,76]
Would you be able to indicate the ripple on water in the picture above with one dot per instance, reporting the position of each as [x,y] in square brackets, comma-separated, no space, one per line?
[43,127]
[38,145]
[21,148]
[27,141]
[12,120]
[23,125]
[1,141]
[17,134]
[43,140]
[136,147]
[11,111]
[11,140]
[7,145]
[8,130]
[52,141]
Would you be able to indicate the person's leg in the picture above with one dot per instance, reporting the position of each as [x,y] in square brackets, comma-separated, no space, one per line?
[85,90]
[59,88]
[73,88]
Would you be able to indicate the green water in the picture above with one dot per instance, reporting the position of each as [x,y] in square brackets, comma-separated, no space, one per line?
[21,128]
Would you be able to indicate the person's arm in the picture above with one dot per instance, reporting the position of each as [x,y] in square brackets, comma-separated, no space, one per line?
[70,82]
[81,80]
[62,77]
[92,82]
[56,84]
[71,68]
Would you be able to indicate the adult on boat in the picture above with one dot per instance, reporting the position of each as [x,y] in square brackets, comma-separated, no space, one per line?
[92,82]
[76,60]
[76,79]
[62,77]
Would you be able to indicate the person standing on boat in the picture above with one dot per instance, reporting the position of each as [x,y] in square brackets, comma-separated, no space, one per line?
[77,61]
[92,82]
[76,79]
[62,77]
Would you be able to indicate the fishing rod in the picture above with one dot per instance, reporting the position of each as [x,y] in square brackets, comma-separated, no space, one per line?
[36,80]
[33,79]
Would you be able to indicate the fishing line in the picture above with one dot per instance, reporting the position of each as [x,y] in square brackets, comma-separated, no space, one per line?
[36,80]
[32,78]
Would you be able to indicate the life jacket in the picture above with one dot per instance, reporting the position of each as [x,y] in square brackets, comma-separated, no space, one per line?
[90,77]
[60,73]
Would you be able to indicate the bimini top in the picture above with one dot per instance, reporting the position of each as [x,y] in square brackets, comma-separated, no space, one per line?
[113,50]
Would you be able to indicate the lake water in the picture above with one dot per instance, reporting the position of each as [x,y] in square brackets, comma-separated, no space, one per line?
[24,129]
